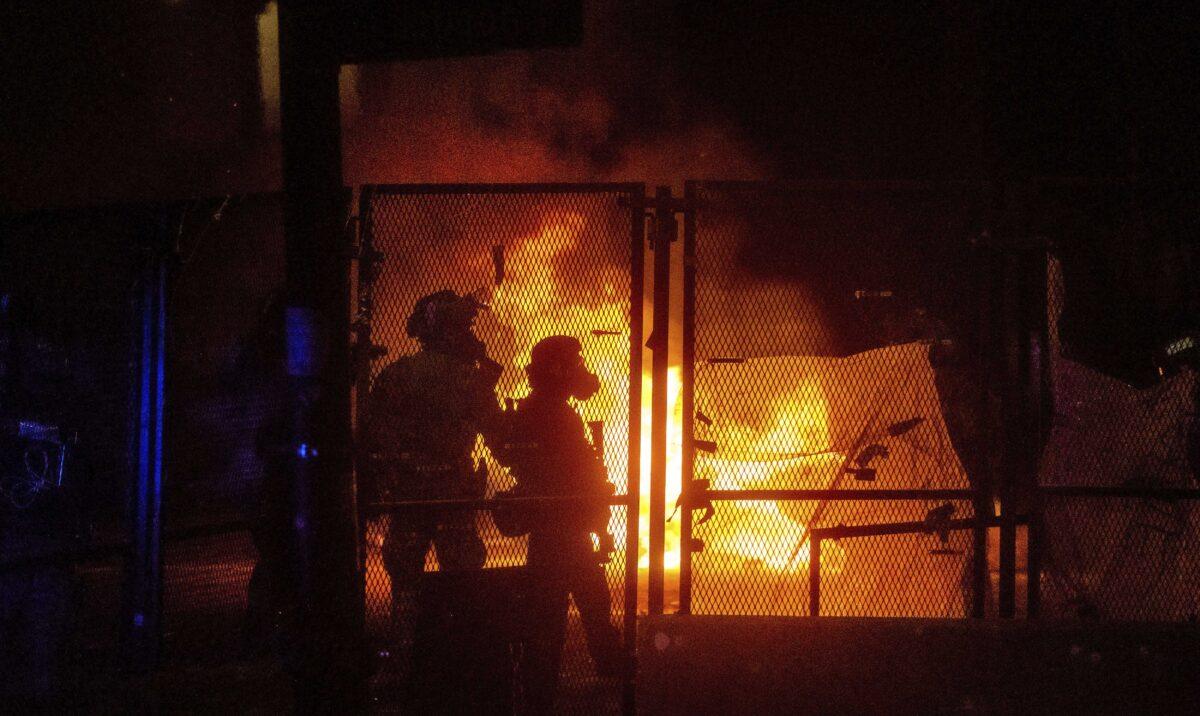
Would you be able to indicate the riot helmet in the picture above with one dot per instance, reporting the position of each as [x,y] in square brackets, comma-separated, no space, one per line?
[443,322]
[556,364]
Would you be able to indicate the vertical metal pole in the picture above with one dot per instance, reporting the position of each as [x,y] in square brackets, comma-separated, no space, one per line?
[688,399]
[659,343]
[1010,464]
[979,554]
[982,470]
[1033,597]
[633,487]
[814,575]
[144,610]
[1038,389]
[332,661]
[368,266]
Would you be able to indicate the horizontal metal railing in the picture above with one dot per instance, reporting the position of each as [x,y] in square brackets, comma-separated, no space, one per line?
[819,534]
[492,503]
[839,495]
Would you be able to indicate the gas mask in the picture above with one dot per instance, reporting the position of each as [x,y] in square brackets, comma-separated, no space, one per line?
[584,383]
[578,382]
[556,364]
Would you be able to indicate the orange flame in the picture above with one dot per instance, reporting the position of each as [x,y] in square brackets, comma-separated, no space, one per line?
[532,304]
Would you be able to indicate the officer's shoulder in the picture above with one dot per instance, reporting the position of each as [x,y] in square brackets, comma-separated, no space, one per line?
[396,368]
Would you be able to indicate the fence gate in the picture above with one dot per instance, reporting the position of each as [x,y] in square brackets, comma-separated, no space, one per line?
[547,259]
[832,406]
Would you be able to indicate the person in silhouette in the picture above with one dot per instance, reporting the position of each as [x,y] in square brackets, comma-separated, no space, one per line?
[550,456]
[424,414]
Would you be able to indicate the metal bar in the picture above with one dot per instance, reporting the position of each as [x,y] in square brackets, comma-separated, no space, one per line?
[512,188]
[834,185]
[1033,561]
[1008,568]
[979,558]
[883,530]
[848,532]
[144,605]
[1013,410]
[380,508]
[1149,493]
[364,311]
[838,495]
[688,401]
[633,487]
[814,576]
[660,338]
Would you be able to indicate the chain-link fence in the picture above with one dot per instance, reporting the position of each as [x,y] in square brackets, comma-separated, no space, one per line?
[831,337]
[850,353]
[1119,476]
[531,262]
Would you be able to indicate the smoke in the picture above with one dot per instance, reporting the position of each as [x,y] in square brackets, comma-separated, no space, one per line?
[610,110]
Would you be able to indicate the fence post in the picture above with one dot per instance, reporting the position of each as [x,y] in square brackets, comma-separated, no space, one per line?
[1011,409]
[1033,595]
[979,554]
[633,484]
[664,234]
[687,387]
[332,661]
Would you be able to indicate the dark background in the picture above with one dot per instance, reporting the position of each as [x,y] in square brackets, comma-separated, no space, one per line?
[150,100]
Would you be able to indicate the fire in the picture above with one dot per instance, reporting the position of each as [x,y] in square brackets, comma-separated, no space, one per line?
[789,448]
[533,302]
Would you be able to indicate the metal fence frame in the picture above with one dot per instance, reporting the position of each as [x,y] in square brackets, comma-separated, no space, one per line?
[696,495]
[142,548]
[365,351]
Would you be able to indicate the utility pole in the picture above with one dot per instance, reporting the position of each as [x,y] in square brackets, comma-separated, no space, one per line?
[331,668]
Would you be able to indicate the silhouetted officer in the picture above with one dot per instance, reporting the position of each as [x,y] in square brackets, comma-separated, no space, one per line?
[424,414]
[550,455]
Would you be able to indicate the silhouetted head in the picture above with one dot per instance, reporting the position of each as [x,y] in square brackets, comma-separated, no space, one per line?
[443,322]
[556,367]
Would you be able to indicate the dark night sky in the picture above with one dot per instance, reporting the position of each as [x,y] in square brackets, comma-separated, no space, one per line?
[138,100]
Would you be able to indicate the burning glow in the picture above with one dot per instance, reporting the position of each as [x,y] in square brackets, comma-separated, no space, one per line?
[778,421]
[788,448]
[534,301]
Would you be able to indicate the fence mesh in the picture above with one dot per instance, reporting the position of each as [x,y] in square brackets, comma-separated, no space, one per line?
[838,333]
[544,261]
[827,357]
[1124,404]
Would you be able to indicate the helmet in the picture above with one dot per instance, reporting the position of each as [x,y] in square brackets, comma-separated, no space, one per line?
[557,362]
[440,314]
